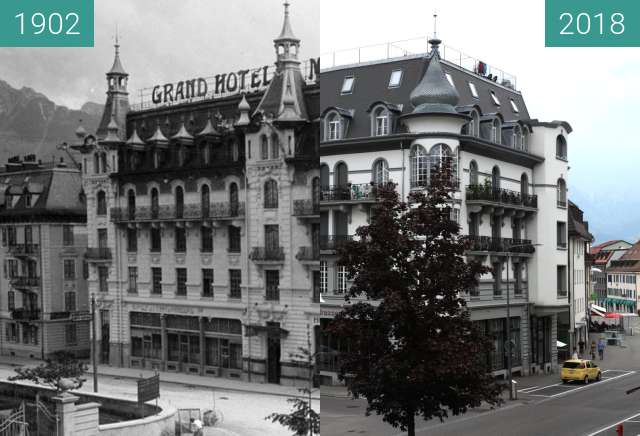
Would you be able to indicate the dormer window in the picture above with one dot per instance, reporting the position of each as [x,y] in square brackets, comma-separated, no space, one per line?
[381,121]
[514,106]
[474,91]
[395,79]
[494,97]
[496,131]
[334,127]
[347,85]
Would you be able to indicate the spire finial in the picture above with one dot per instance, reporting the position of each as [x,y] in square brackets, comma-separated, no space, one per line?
[435,24]
[117,44]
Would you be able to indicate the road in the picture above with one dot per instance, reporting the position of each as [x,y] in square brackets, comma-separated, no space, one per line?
[545,407]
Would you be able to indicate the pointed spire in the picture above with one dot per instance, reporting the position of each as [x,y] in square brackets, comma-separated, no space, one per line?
[134,140]
[158,137]
[183,135]
[434,93]
[112,132]
[286,34]
[208,130]
[117,67]
[244,109]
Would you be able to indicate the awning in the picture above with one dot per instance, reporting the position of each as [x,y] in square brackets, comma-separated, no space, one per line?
[598,308]
[598,311]
[560,344]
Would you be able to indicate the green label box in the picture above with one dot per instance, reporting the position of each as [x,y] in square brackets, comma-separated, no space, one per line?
[592,23]
[46,23]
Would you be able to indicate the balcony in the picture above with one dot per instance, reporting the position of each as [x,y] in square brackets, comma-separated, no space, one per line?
[308,254]
[25,282]
[24,250]
[267,255]
[190,212]
[361,193]
[25,314]
[332,242]
[487,244]
[489,196]
[96,255]
[306,209]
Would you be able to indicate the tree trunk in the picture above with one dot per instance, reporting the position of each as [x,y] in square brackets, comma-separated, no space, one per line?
[411,426]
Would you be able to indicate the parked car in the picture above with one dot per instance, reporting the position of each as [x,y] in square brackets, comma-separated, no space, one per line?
[580,370]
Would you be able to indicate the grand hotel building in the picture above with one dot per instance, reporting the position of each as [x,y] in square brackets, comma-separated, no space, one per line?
[392,120]
[202,226]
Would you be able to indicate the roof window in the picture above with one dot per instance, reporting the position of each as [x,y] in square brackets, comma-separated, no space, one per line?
[450,79]
[395,79]
[473,89]
[495,98]
[514,106]
[347,85]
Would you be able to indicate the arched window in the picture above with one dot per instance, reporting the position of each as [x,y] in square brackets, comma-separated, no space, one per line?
[472,128]
[495,178]
[380,172]
[96,163]
[381,121]
[517,137]
[271,194]
[315,193]
[205,153]
[102,203]
[473,173]
[155,205]
[341,175]
[524,186]
[131,204]
[264,147]
[525,139]
[235,151]
[439,155]
[275,146]
[182,154]
[562,193]
[419,166]
[103,162]
[205,204]
[334,127]
[179,202]
[561,147]
[233,199]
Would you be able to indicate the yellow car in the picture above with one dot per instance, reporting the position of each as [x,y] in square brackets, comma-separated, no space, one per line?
[581,370]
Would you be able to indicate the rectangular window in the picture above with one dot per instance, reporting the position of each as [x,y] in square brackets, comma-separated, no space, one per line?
[70,334]
[395,79]
[103,274]
[514,106]
[324,277]
[156,280]
[347,85]
[206,239]
[334,129]
[67,235]
[235,279]
[28,235]
[207,282]
[234,239]
[69,269]
[132,240]
[517,274]
[70,301]
[382,125]
[341,279]
[11,300]
[181,240]
[562,280]
[133,280]
[562,234]
[156,240]
[271,238]
[497,279]
[316,287]
[273,285]
[474,91]
[181,281]
[12,268]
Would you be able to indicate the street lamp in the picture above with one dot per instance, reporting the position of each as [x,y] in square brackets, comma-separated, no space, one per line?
[93,343]
[509,341]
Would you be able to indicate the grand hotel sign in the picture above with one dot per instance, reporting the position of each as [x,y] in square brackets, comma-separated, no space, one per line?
[224,84]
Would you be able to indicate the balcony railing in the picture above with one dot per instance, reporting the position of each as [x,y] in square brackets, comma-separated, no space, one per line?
[349,192]
[25,282]
[25,314]
[305,208]
[273,293]
[308,254]
[499,195]
[98,254]
[217,210]
[499,245]
[23,249]
[267,254]
[332,242]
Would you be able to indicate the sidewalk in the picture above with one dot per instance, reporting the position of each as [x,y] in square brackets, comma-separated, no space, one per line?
[179,378]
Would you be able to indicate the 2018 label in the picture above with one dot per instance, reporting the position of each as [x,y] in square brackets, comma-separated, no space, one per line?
[582,23]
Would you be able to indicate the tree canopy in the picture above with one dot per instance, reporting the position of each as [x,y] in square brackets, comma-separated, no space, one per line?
[62,372]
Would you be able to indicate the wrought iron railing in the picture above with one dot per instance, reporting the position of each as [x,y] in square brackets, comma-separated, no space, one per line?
[499,195]
[350,192]
[23,249]
[25,314]
[170,212]
[305,208]
[98,254]
[308,253]
[499,245]
[332,242]
[25,281]
[267,254]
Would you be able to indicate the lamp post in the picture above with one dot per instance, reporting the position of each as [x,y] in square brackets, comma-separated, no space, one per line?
[93,343]
[509,342]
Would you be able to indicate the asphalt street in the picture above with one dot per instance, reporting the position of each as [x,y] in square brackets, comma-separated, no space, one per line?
[545,407]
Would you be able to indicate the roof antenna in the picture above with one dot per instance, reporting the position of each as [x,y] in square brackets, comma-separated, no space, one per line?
[435,23]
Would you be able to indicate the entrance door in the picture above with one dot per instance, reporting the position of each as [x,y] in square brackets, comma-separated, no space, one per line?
[273,352]
[104,340]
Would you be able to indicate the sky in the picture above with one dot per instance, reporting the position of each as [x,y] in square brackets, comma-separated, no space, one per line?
[162,41]
[594,89]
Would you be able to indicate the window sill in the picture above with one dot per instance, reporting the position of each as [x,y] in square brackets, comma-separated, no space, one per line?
[562,158]
[235,297]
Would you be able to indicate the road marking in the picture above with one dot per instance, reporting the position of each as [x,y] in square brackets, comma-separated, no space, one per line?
[562,394]
[613,425]
[544,387]
[527,389]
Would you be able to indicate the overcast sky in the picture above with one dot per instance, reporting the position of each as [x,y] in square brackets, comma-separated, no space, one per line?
[595,90]
[162,41]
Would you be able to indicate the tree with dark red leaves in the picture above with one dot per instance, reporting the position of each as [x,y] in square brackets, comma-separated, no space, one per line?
[413,349]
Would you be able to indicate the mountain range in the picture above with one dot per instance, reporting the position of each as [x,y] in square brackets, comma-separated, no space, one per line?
[31,123]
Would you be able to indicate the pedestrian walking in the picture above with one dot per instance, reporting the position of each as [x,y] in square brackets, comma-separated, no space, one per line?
[196,426]
[575,353]
[593,350]
[601,348]
[581,345]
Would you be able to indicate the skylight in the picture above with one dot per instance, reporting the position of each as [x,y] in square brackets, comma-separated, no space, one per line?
[450,79]
[514,106]
[495,98]
[473,89]
[395,79]
[347,85]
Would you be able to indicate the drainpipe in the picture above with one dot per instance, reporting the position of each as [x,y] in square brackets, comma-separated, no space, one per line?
[246,258]
[41,291]
[403,170]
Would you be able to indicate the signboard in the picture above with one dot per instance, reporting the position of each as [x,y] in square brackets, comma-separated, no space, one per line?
[81,316]
[148,388]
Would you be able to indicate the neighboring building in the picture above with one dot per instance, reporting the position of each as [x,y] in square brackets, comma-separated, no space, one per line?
[44,235]
[396,118]
[204,224]
[579,278]
[623,279]
[603,254]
